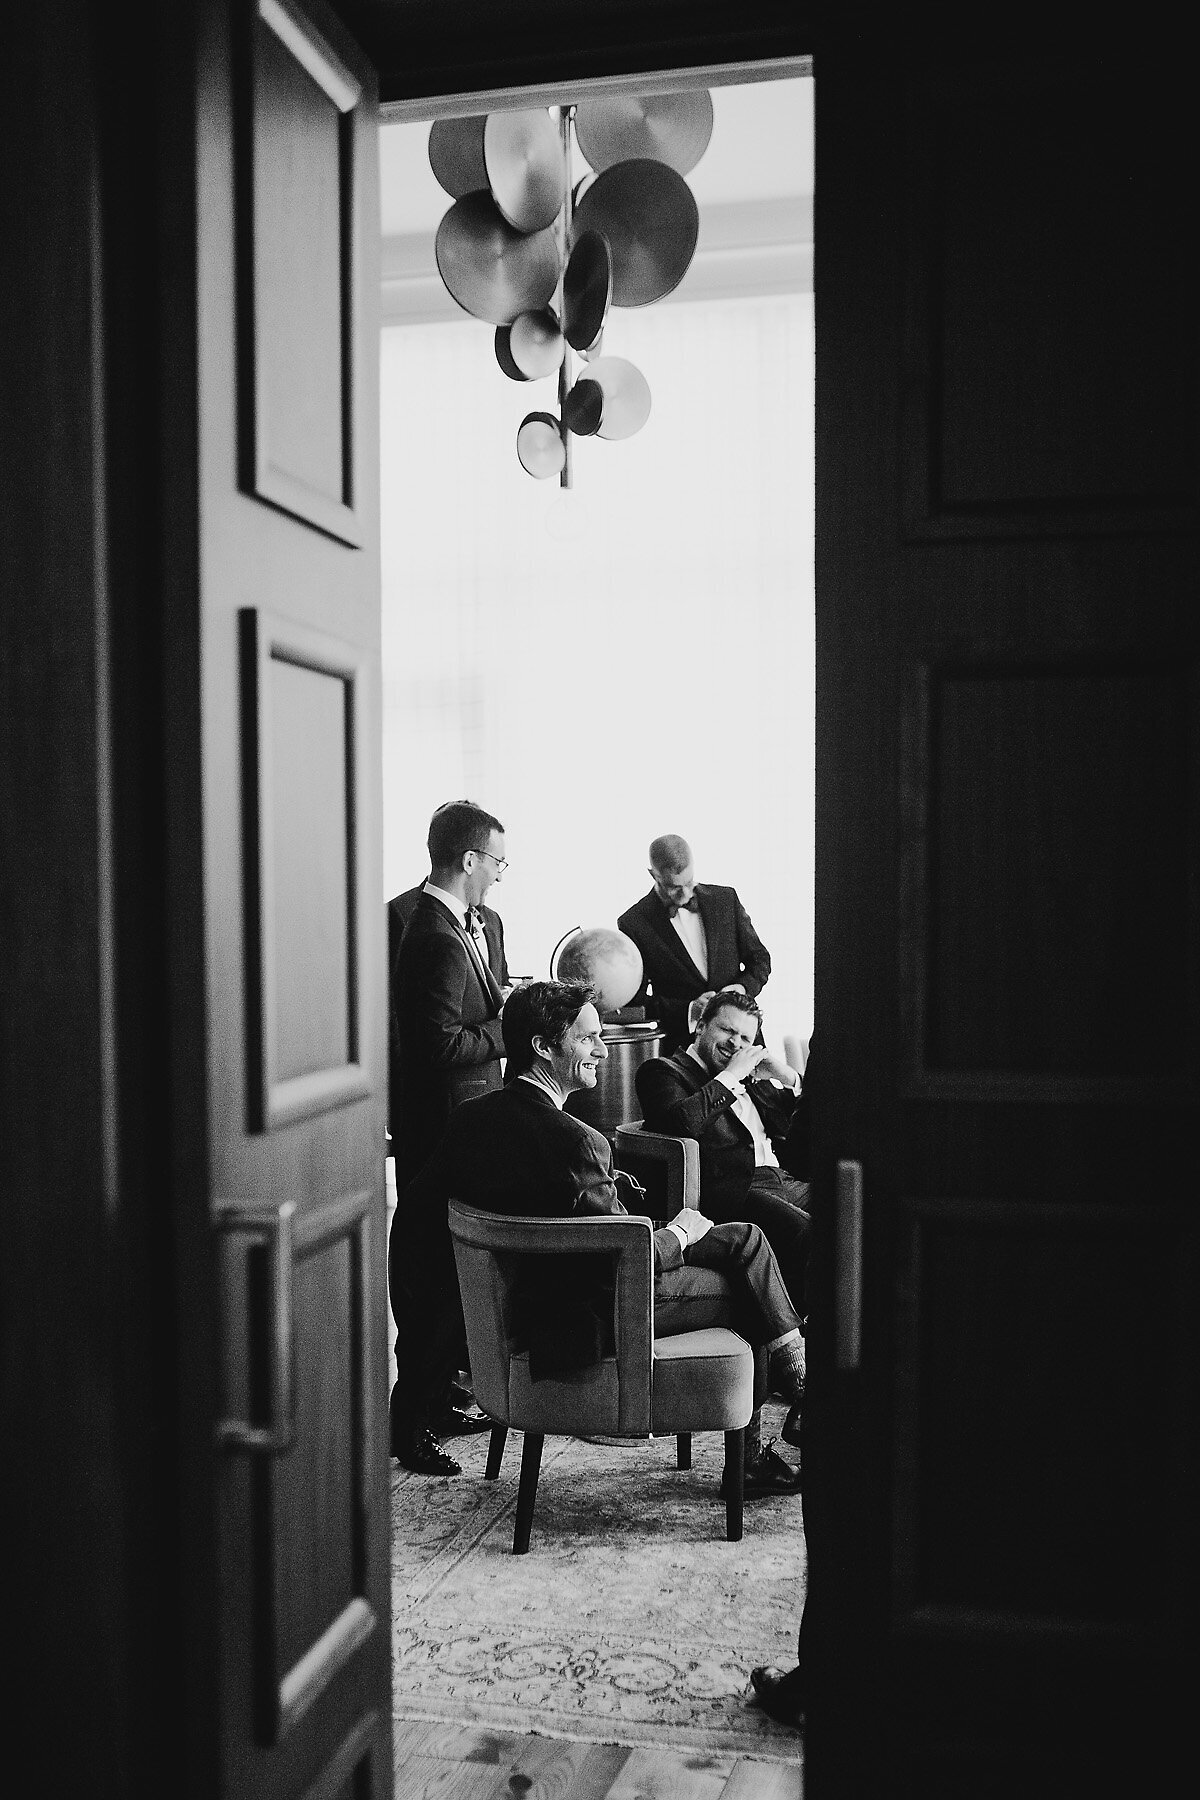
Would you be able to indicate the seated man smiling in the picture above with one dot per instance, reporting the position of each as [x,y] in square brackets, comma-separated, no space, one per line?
[518,1152]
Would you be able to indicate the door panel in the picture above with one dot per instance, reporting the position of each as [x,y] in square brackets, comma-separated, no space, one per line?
[1008,928]
[306,130]
[288,329]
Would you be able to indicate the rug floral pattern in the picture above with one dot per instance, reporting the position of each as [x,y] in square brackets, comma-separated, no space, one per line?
[632,1620]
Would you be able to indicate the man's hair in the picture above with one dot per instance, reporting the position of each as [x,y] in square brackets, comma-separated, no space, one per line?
[670,853]
[539,1009]
[740,1002]
[457,827]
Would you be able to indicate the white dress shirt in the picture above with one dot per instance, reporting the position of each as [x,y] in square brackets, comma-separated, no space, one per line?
[689,927]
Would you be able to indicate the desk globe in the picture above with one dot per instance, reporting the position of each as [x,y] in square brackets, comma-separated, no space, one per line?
[607,960]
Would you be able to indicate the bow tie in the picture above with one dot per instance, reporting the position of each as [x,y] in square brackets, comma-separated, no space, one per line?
[691,905]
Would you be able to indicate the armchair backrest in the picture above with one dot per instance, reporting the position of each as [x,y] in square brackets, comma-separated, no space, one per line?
[487,1250]
[667,1167]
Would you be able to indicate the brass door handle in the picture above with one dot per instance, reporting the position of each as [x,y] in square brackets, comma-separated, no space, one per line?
[272,1227]
[848,1264]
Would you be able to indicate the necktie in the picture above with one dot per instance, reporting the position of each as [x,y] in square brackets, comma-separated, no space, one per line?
[691,905]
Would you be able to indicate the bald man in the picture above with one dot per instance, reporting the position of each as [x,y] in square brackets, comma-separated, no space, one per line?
[695,938]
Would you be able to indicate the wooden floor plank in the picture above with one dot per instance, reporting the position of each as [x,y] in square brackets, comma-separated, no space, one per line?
[765,1781]
[548,1769]
[440,1761]
[653,1774]
[433,1778]
[457,1743]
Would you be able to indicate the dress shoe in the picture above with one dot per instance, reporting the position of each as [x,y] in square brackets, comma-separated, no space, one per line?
[767,1473]
[791,1430]
[461,1397]
[424,1455]
[780,1695]
[456,1423]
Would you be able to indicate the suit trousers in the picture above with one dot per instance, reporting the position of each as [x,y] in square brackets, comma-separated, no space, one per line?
[778,1204]
[749,1297]
[427,1309]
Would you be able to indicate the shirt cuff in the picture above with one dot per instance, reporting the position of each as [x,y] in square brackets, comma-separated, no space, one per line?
[735,1086]
[681,1234]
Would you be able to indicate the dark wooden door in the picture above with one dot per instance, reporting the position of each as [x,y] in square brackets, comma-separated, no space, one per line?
[1001,1474]
[289,592]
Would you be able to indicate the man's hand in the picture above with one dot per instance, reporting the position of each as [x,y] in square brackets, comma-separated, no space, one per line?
[693,1223]
[695,1008]
[773,1068]
[743,1063]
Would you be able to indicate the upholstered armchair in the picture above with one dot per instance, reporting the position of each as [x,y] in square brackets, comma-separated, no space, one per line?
[667,1167]
[648,1386]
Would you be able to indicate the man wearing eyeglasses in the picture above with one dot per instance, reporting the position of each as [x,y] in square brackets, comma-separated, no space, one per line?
[400,911]
[445,1003]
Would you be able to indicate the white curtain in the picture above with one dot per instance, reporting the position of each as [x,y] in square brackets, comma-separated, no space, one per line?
[629,657]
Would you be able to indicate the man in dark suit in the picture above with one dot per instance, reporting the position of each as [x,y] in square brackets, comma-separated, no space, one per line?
[694,938]
[444,1006]
[400,910]
[518,1151]
[745,1111]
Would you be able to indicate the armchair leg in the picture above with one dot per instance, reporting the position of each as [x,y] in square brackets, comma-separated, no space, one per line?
[683,1450]
[531,1463]
[495,1452]
[735,1473]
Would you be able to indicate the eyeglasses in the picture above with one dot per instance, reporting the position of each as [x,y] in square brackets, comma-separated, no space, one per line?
[501,862]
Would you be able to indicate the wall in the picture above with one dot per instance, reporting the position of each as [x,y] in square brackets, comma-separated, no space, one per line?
[629,657]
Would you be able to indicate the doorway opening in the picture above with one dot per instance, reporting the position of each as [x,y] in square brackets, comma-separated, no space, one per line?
[634,655]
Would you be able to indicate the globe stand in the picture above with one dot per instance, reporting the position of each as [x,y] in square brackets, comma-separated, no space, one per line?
[624,1015]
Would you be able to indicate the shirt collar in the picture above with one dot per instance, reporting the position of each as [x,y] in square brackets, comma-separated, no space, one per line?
[537,1079]
[452,902]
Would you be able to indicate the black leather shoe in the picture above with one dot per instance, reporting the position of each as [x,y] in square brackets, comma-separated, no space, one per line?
[424,1455]
[780,1695]
[461,1397]
[791,1431]
[768,1473]
[456,1423]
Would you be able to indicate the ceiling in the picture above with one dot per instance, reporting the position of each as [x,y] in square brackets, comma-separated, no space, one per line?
[761,149]
[753,185]
[455,47]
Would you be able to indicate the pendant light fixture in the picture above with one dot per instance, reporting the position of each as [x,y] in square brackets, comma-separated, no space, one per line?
[544,254]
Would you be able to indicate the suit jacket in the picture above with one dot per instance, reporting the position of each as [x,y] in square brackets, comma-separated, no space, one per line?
[735,953]
[515,1152]
[677,1095]
[400,910]
[448,1036]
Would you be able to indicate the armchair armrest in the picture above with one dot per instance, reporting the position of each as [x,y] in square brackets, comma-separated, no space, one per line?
[668,1167]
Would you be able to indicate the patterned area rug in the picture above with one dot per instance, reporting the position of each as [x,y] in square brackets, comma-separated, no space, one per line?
[631,1621]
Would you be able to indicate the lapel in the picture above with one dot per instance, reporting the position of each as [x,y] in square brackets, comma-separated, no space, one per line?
[486,980]
[708,919]
[484,976]
[491,931]
[671,938]
[697,1077]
